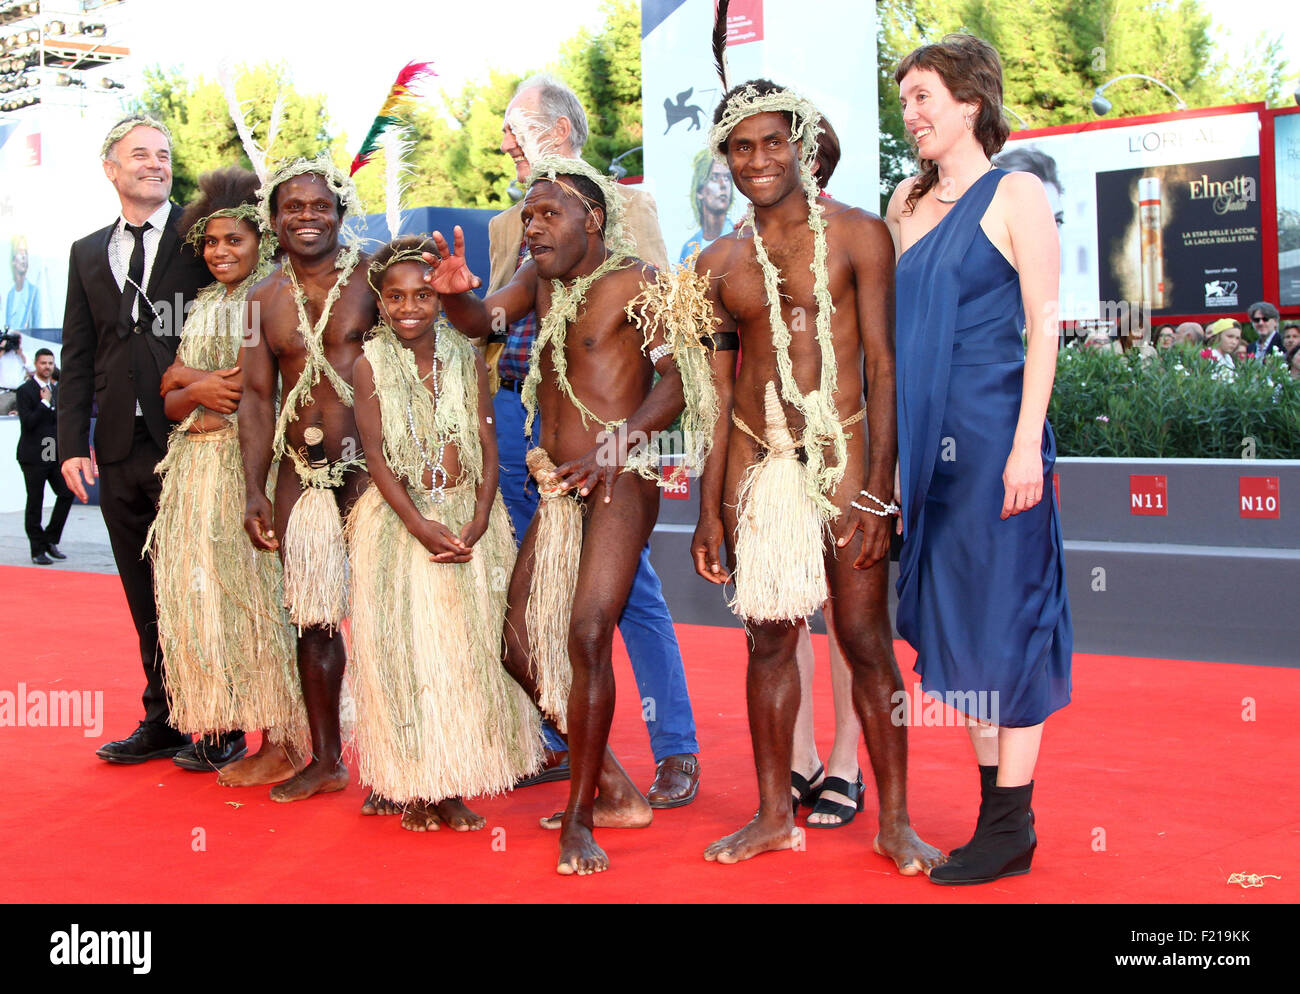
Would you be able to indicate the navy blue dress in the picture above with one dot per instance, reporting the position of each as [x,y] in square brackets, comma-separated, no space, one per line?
[983,601]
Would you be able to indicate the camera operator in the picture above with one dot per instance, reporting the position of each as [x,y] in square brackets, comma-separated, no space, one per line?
[13,369]
[37,401]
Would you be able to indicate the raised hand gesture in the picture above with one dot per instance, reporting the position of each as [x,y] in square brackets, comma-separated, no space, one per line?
[450,274]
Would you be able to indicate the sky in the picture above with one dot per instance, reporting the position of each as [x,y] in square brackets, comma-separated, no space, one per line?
[353,57]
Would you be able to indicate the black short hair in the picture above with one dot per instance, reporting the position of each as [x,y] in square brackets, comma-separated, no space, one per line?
[275,194]
[589,189]
[41,352]
[763,87]
[220,189]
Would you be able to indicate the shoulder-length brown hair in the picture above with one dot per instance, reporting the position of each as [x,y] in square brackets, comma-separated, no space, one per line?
[972,72]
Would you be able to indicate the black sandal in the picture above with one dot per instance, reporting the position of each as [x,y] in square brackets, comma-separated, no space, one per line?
[845,812]
[807,792]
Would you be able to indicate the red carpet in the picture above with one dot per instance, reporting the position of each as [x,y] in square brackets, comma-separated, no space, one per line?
[1151,787]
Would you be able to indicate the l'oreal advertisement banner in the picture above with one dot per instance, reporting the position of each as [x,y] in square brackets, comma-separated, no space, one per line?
[788,43]
[1286,151]
[1162,216]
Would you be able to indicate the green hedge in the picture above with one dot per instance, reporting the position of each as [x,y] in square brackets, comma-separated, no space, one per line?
[1173,406]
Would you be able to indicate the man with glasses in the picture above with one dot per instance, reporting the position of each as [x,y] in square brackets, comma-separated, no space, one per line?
[1264,317]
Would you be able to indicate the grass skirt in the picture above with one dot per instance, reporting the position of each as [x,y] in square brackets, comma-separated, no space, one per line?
[780,570]
[438,716]
[557,554]
[229,649]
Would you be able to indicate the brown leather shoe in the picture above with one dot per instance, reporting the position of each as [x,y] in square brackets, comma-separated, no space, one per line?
[677,781]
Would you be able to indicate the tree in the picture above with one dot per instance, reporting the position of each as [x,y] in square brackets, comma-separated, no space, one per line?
[203,133]
[605,72]
[1055,53]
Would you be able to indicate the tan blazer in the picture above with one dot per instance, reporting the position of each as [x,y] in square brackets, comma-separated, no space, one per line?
[506,235]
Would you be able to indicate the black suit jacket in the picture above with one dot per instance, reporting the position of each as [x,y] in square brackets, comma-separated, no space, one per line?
[1274,344]
[120,370]
[39,430]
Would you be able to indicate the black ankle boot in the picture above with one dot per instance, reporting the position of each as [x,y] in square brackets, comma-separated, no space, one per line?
[1004,840]
[988,778]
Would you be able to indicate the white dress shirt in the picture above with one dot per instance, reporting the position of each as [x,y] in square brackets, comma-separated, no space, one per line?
[122,244]
[120,247]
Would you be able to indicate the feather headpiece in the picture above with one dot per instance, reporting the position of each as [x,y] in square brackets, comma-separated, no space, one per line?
[403,95]
[720,42]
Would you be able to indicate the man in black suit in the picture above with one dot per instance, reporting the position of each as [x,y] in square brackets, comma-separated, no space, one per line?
[37,401]
[128,286]
[1264,316]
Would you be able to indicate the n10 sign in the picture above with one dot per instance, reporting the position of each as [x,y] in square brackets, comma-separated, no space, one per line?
[1148,495]
[1260,497]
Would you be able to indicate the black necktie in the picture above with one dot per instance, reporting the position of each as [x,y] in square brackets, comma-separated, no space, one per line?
[134,277]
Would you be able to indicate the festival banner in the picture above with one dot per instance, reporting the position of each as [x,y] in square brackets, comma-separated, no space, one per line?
[52,192]
[780,41]
[1157,218]
[1286,157]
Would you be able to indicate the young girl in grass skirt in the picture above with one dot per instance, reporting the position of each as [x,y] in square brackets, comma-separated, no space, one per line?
[431,552]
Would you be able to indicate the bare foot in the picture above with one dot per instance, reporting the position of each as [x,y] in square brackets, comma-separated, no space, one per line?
[271,763]
[317,778]
[454,812]
[377,804]
[579,853]
[627,812]
[419,816]
[912,856]
[756,837]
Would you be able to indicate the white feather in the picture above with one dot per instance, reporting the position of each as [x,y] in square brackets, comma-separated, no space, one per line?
[273,129]
[397,148]
[255,155]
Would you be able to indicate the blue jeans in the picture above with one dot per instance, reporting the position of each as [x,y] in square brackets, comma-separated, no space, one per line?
[645,624]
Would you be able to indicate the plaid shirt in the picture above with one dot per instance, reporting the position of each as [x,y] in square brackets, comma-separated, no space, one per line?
[513,364]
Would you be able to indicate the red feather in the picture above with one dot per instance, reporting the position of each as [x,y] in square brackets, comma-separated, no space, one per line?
[402,93]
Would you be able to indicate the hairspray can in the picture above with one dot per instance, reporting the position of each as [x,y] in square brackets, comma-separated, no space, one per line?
[1152,259]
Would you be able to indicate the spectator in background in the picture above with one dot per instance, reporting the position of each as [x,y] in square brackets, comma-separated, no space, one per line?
[1290,338]
[1242,353]
[38,457]
[1188,333]
[1165,337]
[1293,363]
[828,156]
[1264,317]
[22,302]
[1223,337]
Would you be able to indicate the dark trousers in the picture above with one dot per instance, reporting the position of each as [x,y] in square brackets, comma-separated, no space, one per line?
[128,498]
[37,476]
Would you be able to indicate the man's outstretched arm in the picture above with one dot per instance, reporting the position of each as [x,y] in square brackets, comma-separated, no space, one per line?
[454,283]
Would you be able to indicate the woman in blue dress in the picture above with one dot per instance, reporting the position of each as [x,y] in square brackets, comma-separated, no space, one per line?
[981,586]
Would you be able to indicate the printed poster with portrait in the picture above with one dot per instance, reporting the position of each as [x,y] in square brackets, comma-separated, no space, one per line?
[695,196]
[1286,152]
[1160,217]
